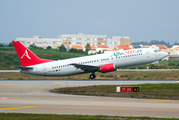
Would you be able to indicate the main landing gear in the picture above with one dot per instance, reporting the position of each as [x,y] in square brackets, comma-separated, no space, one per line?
[152,66]
[92,76]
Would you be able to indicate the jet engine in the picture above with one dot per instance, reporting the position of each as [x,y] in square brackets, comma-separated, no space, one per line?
[107,68]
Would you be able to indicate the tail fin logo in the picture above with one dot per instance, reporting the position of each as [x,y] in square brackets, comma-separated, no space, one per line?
[25,54]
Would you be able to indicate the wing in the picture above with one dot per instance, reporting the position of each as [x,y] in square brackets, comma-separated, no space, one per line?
[22,68]
[86,68]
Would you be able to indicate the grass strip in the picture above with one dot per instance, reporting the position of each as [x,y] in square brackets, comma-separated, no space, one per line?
[117,75]
[29,116]
[149,91]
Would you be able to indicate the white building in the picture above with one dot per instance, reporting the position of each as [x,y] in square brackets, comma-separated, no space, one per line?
[40,42]
[82,39]
[75,39]
[117,40]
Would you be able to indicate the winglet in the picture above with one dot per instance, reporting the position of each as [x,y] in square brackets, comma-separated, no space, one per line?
[27,57]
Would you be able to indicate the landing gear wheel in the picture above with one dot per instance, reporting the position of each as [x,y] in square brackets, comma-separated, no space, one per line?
[153,67]
[92,76]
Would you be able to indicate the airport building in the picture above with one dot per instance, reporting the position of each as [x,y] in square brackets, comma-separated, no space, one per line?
[68,40]
[40,42]
[82,39]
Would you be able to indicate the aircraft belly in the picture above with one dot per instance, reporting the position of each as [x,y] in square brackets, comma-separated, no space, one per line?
[65,72]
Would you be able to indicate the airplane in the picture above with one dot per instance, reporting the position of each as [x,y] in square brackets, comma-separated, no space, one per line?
[106,62]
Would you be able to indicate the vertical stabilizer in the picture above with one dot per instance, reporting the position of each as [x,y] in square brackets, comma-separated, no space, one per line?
[27,57]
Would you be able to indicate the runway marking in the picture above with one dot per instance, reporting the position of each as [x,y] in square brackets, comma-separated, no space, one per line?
[4,98]
[89,102]
[5,84]
[158,101]
[109,108]
[58,83]
[17,107]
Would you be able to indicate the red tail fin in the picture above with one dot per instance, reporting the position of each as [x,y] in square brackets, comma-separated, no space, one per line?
[27,57]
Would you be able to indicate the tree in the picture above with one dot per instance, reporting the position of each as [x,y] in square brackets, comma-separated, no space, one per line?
[76,50]
[10,44]
[153,42]
[73,50]
[62,48]
[2,45]
[176,43]
[87,48]
[33,46]
[99,52]
[49,47]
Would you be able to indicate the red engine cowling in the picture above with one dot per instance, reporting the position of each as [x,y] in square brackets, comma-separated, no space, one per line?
[107,68]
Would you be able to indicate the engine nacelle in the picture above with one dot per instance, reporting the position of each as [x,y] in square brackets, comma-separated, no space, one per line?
[107,68]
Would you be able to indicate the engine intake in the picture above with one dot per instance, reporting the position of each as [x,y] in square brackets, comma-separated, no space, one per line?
[107,68]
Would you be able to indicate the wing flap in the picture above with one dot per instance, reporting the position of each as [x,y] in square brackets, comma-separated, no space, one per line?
[86,68]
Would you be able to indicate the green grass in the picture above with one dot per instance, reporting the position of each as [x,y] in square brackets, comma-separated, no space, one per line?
[117,75]
[29,116]
[151,91]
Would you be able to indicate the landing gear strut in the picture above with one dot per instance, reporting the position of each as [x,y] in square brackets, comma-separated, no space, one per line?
[92,76]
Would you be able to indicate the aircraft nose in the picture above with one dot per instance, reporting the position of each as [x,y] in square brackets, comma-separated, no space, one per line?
[165,54]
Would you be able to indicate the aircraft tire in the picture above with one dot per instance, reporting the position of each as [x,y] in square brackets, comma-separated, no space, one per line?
[153,67]
[92,76]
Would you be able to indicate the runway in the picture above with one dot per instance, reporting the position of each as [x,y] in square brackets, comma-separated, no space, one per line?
[33,96]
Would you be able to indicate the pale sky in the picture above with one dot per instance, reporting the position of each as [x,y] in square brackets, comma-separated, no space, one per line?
[141,20]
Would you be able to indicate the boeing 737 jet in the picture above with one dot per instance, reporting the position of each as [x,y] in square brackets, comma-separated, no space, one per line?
[106,62]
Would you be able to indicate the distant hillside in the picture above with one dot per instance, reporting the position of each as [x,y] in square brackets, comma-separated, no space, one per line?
[9,57]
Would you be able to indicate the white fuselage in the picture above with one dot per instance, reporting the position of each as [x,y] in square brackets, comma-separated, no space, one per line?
[121,58]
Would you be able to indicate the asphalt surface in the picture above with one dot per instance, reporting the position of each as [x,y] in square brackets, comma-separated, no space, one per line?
[33,96]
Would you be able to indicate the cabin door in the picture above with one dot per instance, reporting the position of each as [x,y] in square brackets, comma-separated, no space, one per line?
[147,54]
[45,70]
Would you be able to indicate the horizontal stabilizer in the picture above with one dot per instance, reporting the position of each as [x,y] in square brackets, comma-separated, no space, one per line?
[22,68]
